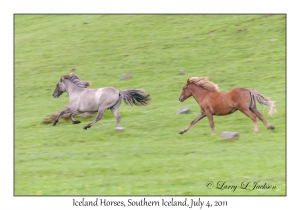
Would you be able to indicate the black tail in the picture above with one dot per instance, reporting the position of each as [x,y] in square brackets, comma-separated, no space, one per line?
[135,97]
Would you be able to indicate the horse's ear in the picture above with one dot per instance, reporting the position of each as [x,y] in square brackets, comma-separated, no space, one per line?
[64,77]
[188,81]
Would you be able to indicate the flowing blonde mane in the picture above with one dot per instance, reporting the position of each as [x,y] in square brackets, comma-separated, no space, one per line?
[204,83]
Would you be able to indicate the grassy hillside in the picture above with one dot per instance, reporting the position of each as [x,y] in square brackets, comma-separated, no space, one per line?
[149,157]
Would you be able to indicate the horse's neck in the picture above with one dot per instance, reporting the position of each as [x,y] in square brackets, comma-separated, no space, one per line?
[198,92]
[72,89]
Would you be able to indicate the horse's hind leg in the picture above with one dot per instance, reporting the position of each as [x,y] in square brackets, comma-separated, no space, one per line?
[260,116]
[98,117]
[252,116]
[115,111]
[73,120]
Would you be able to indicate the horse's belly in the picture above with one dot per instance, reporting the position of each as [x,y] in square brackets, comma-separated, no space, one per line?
[87,110]
[226,111]
[83,106]
[88,106]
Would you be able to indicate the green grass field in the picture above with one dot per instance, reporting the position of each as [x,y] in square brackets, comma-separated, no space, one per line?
[149,157]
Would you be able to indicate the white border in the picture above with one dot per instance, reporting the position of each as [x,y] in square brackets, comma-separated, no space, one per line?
[8,8]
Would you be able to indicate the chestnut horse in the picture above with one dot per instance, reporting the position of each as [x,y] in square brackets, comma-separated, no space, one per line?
[212,102]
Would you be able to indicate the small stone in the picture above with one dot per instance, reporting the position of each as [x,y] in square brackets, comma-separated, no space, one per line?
[125,76]
[229,135]
[181,72]
[183,110]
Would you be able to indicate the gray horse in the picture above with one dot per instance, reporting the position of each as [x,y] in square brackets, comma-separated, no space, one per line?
[83,99]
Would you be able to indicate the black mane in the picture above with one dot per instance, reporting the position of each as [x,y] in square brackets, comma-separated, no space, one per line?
[75,79]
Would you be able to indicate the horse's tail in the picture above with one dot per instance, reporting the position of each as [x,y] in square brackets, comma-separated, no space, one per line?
[135,97]
[262,100]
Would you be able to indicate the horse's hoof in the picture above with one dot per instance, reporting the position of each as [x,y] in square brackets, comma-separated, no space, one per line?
[181,132]
[76,122]
[53,124]
[271,127]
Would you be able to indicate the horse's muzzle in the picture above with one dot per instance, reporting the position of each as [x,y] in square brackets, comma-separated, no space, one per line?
[56,95]
[180,99]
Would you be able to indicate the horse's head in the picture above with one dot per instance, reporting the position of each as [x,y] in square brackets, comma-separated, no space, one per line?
[186,92]
[60,88]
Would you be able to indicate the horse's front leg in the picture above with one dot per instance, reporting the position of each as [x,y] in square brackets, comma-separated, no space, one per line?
[211,123]
[199,117]
[73,120]
[64,111]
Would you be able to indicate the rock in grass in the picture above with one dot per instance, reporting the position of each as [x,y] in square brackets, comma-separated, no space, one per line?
[181,72]
[229,135]
[183,110]
[125,76]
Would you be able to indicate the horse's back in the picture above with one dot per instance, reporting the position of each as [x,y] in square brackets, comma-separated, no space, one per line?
[239,93]
[107,90]
[223,103]
[93,99]
[239,97]
[107,93]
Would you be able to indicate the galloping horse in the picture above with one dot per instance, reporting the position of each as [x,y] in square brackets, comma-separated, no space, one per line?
[83,99]
[212,102]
